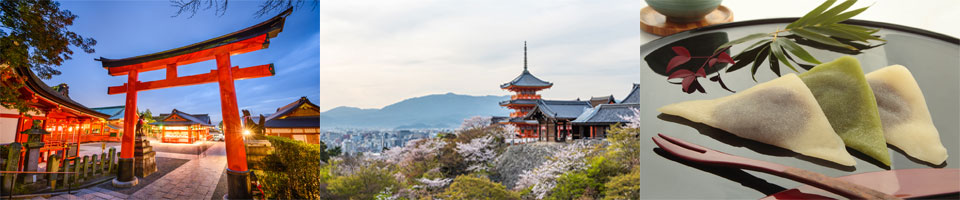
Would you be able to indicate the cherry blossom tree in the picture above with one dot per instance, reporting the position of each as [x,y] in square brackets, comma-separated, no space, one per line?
[633,121]
[544,178]
[475,122]
[477,152]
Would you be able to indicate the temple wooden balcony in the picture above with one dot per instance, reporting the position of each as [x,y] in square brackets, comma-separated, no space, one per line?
[524,96]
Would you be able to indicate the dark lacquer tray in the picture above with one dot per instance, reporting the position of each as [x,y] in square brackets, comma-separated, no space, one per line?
[934,60]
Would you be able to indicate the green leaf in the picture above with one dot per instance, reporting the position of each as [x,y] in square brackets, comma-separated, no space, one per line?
[820,38]
[763,54]
[861,33]
[825,16]
[836,33]
[778,52]
[804,66]
[774,65]
[741,40]
[744,58]
[812,14]
[758,43]
[798,51]
[845,16]
[855,28]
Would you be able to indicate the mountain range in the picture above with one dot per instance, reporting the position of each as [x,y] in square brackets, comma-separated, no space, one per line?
[431,111]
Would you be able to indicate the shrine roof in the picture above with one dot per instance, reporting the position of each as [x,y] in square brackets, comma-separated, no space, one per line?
[519,101]
[559,109]
[526,79]
[202,119]
[42,89]
[633,96]
[594,101]
[271,28]
[606,114]
[289,108]
[115,112]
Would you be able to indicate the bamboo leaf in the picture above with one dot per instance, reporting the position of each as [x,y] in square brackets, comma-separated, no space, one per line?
[820,38]
[804,66]
[774,65]
[845,16]
[798,51]
[856,30]
[835,33]
[812,14]
[831,13]
[758,42]
[741,40]
[762,55]
[745,58]
[778,52]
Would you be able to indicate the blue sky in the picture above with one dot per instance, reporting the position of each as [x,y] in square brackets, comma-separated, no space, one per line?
[126,29]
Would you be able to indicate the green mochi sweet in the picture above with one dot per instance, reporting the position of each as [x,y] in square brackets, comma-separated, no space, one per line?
[846,98]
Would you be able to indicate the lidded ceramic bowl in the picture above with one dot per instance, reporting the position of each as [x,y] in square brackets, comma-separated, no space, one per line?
[684,11]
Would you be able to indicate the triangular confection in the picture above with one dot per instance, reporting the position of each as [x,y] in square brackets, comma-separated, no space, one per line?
[847,100]
[906,120]
[781,112]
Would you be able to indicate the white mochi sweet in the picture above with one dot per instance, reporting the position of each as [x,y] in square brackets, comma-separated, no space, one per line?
[781,112]
[904,114]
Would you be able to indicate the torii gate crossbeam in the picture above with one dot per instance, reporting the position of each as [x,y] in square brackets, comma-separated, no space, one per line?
[220,48]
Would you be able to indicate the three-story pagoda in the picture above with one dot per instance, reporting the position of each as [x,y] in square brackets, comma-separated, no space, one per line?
[526,87]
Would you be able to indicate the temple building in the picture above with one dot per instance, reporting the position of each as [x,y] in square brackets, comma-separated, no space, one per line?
[594,101]
[554,118]
[115,122]
[526,87]
[68,122]
[594,122]
[634,96]
[181,127]
[299,120]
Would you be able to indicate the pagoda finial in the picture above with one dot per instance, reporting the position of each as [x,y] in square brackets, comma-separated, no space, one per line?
[524,55]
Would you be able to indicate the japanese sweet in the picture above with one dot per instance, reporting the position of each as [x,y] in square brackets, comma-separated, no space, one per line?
[903,111]
[848,102]
[781,112]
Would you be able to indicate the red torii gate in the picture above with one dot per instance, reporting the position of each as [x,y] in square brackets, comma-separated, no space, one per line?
[220,48]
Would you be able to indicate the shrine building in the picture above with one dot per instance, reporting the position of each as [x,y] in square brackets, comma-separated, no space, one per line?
[67,122]
[180,127]
[299,120]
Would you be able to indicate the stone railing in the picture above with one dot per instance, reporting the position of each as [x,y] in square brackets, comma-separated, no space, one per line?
[79,171]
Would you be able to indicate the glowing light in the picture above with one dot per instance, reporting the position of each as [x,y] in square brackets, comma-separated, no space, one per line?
[246,132]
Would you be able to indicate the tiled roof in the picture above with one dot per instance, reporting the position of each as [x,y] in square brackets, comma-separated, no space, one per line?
[605,114]
[42,89]
[115,112]
[526,79]
[559,109]
[276,120]
[634,96]
[594,101]
[282,111]
[202,119]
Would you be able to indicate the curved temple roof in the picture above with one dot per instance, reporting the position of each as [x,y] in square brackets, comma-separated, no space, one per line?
[41,89]
[271,28]
[526,80]
[634,96]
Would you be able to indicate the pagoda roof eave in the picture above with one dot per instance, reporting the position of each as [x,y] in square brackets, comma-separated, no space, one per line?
[270,28]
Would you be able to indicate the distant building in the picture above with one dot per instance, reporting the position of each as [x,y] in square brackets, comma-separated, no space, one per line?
[525,86]
[594,101]
[299,120]
[115,122]
[181,127]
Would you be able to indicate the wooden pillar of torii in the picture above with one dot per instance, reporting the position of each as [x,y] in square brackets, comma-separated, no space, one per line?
[220,48]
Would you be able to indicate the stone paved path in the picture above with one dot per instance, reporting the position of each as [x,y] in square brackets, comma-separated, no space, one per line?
[196,179]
